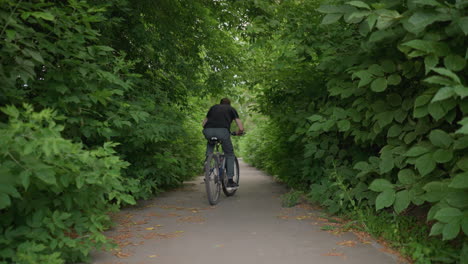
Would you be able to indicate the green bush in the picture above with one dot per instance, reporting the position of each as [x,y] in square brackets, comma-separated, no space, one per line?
[376,95]
[54,195]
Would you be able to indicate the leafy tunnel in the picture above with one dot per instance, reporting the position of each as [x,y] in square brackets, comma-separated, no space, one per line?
[359,106]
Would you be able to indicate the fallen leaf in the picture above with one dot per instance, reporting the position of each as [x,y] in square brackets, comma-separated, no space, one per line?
[334,254]
[302,217]
[347,243]
[152,256]
[149,228]
[122,254]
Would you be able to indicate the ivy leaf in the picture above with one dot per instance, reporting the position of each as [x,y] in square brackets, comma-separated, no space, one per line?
[440,138]
[380,185]
[385,199]
[379,85]
[402,200]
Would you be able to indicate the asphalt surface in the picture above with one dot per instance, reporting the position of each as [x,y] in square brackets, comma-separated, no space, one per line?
[180,227]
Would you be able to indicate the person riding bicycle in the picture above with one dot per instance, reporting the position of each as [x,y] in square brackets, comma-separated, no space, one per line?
[217,124]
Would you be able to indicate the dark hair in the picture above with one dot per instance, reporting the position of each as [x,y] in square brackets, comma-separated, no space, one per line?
[225,101]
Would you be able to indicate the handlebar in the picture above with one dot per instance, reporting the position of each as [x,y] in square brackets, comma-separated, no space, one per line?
[235,134]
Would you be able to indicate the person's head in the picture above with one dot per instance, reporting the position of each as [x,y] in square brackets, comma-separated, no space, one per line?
[225,101]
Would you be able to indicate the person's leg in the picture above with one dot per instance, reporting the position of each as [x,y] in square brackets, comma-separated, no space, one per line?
[228,150]
[208,132]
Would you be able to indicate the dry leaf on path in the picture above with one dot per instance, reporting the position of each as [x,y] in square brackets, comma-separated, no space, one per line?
[334,254]
[347,243]
[122,254]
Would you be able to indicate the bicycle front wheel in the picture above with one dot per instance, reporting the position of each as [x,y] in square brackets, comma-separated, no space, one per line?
[212,182]
[229,191]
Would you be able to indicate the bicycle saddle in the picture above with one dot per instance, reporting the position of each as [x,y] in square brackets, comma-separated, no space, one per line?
[213,140]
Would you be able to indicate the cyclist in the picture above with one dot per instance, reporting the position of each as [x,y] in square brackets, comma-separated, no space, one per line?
[217,124]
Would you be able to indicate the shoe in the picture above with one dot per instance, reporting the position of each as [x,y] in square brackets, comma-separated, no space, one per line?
[232,184]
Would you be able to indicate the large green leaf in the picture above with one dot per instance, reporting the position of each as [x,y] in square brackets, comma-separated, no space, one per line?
[437,229]
[464,224]
[435,191]
[380,185]
[463,24]
[386,163]
[406,176]
[379,85]
[416,151]
[331,18]
[425,164]
[4,200]
[444,93]
[46,175]
[463,163]
[359,4]
[385,199]
[440,138]
[344,125]
[443,155]
[454,62]
[402,200]
[460,181]
[451,230]
[448,215]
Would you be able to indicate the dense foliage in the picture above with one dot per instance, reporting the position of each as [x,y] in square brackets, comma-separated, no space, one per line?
[368,107]
[101,105]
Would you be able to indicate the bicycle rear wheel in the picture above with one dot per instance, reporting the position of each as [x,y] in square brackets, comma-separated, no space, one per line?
[212,182]
[229,191]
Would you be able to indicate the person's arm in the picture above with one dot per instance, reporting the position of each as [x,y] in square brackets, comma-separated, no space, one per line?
[204,122]
[240,126]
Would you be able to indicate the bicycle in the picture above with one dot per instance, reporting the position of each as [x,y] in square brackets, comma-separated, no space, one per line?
[215,173]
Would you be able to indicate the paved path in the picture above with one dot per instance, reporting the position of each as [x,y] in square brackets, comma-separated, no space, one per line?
[179,227]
